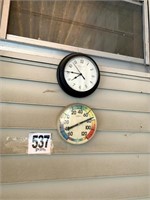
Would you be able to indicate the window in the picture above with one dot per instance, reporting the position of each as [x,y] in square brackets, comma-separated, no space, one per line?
[109,26]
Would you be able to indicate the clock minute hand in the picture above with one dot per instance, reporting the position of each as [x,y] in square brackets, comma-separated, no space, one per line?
[70,127]
[79,71]
[73,72]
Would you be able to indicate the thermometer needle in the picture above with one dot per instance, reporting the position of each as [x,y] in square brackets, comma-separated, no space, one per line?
[70,127]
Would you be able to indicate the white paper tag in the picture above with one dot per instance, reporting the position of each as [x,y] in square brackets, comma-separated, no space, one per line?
[39,143]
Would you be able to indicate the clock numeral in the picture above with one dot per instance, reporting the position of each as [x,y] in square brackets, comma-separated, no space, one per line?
[80,87]
[70,65]
[86,86]
[82,61]
[92,76]
[91,82]
[75,62]
[92,69]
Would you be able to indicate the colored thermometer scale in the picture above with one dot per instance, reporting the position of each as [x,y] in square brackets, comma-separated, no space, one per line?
[77,124]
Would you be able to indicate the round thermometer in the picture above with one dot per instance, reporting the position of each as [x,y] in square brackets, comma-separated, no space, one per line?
[77,124]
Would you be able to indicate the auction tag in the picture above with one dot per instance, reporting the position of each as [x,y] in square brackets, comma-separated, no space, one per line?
[39,143]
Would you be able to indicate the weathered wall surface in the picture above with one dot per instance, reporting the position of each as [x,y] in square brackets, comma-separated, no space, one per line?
[115,164]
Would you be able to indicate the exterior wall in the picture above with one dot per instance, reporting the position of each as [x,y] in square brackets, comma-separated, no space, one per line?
[115,164]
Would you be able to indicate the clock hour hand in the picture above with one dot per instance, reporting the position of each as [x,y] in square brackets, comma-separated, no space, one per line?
[70,127]
[76,77]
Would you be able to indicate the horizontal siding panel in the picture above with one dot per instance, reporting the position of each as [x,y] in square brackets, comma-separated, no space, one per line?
[15,142]
[44,74]
[59,167]
[39,117]
[27,72]
[125,84]
[115,164]
[28,92]
[95,189]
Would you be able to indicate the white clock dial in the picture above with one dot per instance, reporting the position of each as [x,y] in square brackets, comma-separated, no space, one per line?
[81,73]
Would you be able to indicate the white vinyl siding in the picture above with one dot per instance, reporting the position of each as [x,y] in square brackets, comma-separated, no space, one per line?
[115,164]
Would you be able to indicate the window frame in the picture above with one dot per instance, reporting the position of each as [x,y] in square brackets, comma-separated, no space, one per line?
[5,7]
[146,32]
[4,18]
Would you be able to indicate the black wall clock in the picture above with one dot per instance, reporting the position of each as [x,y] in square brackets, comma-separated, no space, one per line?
[78,75]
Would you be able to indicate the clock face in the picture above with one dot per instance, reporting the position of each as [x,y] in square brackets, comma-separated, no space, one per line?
[77,124]
[78,75]
[81,73]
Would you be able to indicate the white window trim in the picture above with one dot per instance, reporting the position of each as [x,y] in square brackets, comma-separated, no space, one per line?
[1,4]
[149,16]
[4,19]
[146,32]
[138,2]
[13,38]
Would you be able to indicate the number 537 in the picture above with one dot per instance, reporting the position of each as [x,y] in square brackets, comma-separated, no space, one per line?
[40,141]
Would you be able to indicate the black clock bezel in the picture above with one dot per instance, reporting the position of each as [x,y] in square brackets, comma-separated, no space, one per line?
[62,82]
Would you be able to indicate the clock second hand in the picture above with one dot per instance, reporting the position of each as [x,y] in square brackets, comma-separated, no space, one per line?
[70,127]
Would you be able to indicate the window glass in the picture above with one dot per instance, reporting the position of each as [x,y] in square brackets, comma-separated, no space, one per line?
[110,26]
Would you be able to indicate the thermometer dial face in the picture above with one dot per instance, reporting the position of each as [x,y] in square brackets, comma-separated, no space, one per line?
[77,124]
